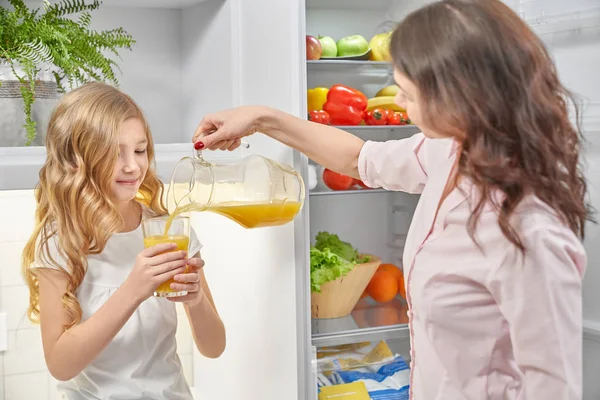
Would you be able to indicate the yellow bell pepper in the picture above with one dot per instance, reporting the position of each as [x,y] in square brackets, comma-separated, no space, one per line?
[316,98]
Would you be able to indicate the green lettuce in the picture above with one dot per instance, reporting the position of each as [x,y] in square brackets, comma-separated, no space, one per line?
[330,259]
[326,266]
[326,240]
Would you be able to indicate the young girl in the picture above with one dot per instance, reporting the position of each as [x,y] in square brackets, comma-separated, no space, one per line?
[90,279]
[493,259]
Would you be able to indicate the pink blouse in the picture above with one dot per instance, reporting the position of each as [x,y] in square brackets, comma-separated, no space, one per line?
[487,323]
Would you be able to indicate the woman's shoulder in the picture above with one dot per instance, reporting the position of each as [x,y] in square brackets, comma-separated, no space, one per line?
[542,230]
[534,214]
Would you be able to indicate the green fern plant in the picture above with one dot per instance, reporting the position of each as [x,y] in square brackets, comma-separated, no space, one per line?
[57,35]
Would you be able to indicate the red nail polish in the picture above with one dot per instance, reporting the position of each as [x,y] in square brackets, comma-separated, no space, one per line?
[198,145]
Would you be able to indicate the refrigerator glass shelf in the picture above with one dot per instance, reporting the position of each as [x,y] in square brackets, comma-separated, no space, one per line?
[359,66]
[347,192]
[391,128]
[368,321]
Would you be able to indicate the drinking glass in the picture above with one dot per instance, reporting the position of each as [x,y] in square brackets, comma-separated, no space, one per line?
[166,229]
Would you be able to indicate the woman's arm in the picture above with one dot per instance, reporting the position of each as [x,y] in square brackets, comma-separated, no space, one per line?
[396,165]
[207,328]
[328,146]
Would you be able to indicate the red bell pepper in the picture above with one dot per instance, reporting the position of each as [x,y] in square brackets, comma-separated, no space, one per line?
[320,117]
[345,105]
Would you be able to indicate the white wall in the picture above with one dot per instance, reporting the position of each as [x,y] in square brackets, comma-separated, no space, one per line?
[577,55]
[591,361]
[578,59]
[23,372]
[151,72]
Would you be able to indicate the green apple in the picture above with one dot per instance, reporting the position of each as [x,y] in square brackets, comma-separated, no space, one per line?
[328,45]
[353,45]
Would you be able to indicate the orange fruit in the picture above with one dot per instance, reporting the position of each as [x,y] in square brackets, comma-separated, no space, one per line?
[364,294]
[383,287]
[401,287]
[398,274]
[392,269]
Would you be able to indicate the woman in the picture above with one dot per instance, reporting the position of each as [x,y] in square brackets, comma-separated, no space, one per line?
[493,259]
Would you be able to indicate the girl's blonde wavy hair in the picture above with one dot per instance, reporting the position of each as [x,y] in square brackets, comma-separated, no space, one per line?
[74,205]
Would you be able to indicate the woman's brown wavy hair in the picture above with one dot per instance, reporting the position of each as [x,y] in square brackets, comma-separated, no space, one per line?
[75,213]
[487,80]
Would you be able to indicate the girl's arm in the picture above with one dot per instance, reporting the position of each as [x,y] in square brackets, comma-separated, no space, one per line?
[207,328]
[68,352]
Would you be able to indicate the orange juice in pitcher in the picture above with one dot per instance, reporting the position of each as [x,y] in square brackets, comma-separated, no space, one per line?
[255,192]
[256,215]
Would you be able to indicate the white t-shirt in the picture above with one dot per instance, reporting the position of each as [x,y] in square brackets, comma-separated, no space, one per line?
[141,362]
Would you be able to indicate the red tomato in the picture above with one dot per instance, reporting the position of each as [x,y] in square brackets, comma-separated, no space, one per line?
[388,114]
[377,116]
[404,120]
[394,118]
[335,181]
[320,117]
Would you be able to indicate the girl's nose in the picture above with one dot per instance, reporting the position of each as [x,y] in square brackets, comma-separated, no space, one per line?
[130,165]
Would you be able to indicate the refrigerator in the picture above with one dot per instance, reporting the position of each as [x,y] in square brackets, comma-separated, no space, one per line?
[194,57]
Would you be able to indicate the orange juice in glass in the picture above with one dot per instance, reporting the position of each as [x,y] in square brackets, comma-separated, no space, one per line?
[166,229]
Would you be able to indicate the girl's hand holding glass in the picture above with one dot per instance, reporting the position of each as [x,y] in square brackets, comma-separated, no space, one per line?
[154,266]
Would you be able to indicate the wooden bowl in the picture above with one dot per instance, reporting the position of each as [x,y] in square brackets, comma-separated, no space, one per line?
[338,298]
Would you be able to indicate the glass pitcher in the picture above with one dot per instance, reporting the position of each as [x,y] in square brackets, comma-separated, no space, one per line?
[254,192]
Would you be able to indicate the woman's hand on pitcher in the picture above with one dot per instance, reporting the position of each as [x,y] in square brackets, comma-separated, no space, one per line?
[225,129]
